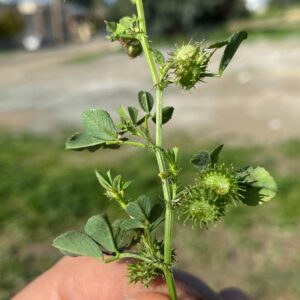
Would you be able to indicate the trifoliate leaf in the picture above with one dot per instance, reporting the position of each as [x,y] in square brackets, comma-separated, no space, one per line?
[99,228]
[81,141]
[201,159]
[146,101]
[259,186]
[234,43]
[98,123]
[77,244]
[214,155]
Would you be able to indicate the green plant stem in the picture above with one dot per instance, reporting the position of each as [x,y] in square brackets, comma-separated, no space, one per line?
[159,156]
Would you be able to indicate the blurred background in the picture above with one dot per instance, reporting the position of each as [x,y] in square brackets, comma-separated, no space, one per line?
[55,62]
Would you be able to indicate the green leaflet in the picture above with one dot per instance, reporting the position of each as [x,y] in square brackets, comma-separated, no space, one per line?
[98,123]
[214,155]
[158,56]
[201,159]
[136,211]
[131,224]
[99,228]
[146,101]
[122,237]
[81,141]
[143,211]
[133,113]
[260,186]
[231,48]
[217,45]
[77,244]
[167,114]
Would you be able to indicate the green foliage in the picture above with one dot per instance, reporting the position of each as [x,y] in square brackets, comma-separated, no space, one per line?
[78,244]
[167,114]
[125,32]
[231,48]
[57,187]
[204,158]
[98,123]
[146,101]
[100,230]
[99,130]
[10,25]
[259,186]
[182,17]
[215,187]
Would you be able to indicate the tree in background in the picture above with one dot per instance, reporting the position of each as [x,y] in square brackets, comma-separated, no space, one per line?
[177,16]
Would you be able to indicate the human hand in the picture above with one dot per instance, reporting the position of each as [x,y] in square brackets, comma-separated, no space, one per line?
[84,278]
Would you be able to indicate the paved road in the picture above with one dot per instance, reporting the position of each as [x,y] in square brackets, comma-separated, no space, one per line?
[257,99]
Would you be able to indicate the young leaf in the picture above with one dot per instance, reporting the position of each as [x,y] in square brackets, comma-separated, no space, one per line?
[167,114]
[98,123]
[123,114]
[133,113]
[78,244]
[260,186]
[214,155]
[117,183]
[99,228]
[111,26]
[146,101]
[158,56]
[234,43]
[81,141]
[103,182]
[201,159]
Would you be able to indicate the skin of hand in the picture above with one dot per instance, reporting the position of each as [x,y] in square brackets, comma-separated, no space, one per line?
[84,278]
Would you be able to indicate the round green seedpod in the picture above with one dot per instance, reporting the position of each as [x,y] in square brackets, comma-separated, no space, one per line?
[200,207]
[134,49]
[221,181]
[189,64]
[185,52]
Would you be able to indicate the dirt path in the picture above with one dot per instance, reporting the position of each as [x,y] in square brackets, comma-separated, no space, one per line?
[257,99]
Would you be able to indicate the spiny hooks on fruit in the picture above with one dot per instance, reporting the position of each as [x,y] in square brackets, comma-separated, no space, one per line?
[189,65]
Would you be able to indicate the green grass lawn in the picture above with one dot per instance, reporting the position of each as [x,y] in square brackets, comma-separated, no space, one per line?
[45,191]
